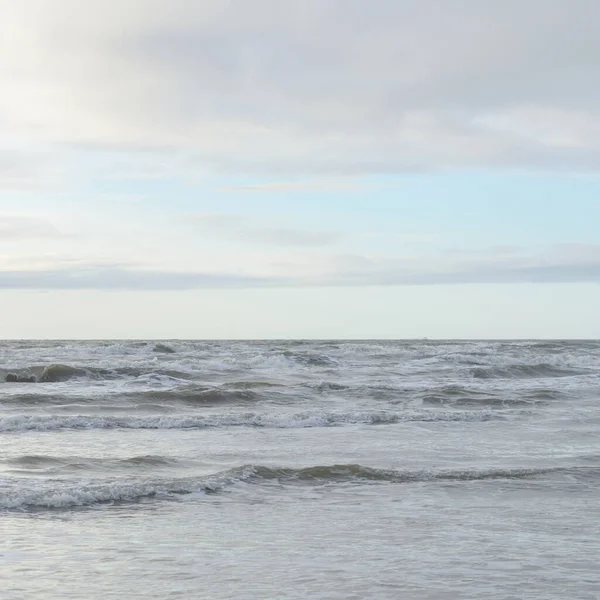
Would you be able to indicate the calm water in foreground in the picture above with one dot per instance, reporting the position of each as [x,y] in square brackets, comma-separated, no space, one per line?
[321,470]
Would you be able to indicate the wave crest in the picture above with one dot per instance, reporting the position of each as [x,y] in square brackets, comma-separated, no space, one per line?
[58,373]
[70,494]
[267,420]
[357,473]
[542,370]
[56,494]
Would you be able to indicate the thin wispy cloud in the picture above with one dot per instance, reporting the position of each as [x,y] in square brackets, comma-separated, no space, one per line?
[243,229]
[554,265]
[123,280]
[16,227]
[22,170]
[278,187]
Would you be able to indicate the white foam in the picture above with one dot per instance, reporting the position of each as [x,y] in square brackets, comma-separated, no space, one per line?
[67,494]
[268,420]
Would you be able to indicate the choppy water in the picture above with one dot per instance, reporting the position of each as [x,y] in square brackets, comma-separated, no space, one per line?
[272,470]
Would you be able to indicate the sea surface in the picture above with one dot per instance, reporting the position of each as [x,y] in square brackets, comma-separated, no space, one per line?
[300,469]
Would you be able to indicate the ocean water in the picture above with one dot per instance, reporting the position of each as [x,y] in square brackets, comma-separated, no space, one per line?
[276,470]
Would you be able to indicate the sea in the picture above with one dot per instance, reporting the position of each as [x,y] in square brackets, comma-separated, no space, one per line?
[260,470]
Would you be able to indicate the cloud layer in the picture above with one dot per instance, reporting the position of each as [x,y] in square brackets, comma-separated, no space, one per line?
[308,87]
[15,227]
[238,228]
[559,264]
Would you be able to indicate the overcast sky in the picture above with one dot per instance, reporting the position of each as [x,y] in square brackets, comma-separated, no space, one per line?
[299,168]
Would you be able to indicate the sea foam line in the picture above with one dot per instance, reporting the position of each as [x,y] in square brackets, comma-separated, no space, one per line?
[277,421]
[31,494]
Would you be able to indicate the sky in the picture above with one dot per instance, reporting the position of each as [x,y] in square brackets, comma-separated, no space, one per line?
[299,169]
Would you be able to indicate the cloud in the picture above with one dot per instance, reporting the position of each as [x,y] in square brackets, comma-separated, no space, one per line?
[22,170]
[559,264]
[497,250]
[14,227]
[114,278]
[241,229]
[319,87]
[540,269]
[327,185]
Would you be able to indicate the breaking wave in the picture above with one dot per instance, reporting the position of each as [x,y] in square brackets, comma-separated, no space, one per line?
[524,372]
[192,395]
[310,359]
[56,494]
[58,373]
[70,494]
[267,420]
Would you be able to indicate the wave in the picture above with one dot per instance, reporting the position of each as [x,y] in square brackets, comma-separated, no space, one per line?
[56,494]
[561,345]
[55,373]
[310,359]
[198,395]
[58,373]
[328,386]
[543,395]
[250,384]
[192,395]
[71,494]
[355,472]
[55,466]
[462,396]
[163,349]
[525,372]
[480,401]
[275,421]
[41,461]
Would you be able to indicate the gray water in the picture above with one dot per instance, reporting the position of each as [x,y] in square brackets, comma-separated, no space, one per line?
[272,470]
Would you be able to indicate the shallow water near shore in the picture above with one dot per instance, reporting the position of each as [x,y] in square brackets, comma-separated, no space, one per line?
[326,469]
